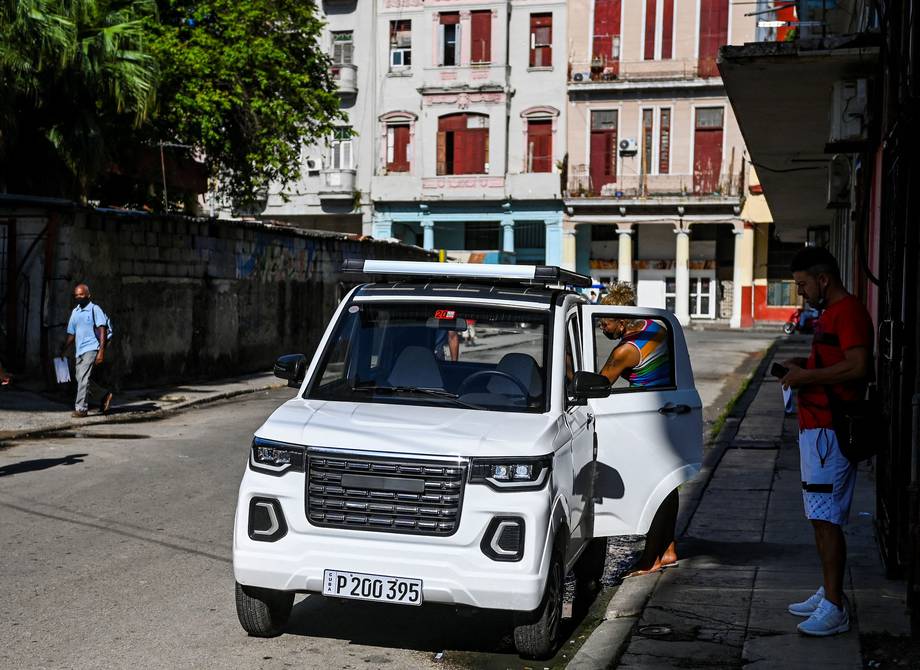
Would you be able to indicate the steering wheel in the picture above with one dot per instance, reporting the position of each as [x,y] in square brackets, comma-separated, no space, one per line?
[498,373]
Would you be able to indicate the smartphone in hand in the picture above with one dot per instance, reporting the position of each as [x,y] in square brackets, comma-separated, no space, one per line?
[778,371]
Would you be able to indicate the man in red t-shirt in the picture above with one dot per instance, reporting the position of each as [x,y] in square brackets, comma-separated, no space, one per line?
[840,358]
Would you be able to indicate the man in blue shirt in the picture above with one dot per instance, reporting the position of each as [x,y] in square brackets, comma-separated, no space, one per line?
[88,330]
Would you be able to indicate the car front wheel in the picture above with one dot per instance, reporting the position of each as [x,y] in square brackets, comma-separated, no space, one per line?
[263,612]
[536,633]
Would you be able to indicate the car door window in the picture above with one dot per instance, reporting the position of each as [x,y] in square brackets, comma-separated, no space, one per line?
[645,341]
[572,356]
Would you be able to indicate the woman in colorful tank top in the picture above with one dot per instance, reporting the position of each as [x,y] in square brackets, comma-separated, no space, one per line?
[642,358]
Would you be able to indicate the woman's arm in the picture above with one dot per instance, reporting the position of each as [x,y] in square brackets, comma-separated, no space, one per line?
[624,357]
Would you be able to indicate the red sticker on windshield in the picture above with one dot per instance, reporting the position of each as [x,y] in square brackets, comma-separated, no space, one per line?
[445,314]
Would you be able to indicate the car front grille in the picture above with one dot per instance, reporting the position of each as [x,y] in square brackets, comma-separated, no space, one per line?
[397,495]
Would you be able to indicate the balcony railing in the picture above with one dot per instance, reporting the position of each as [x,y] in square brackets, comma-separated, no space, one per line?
[599,71]
[725,185]
[346,78]
[337,184]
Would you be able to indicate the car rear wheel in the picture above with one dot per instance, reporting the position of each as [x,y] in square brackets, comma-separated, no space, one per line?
[537,633]
[263,612]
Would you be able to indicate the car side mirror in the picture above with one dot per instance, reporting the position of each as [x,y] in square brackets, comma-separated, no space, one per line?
[589,385]
[292,367]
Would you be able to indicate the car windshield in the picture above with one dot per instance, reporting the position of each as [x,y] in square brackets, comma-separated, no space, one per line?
[445,355]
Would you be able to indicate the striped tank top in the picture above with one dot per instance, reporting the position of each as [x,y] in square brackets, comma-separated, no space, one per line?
[654,368]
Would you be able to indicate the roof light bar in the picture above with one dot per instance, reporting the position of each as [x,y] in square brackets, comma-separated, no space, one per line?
[535,274]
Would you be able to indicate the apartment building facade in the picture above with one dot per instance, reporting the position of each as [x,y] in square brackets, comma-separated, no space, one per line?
[593,134]
[333,192]
[471,127]
[657,168]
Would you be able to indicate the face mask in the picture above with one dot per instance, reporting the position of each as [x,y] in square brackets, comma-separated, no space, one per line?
[83,302]
[611,336]
[821,301]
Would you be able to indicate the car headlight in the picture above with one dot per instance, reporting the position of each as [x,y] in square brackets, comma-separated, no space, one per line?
[513,474]
[275,458]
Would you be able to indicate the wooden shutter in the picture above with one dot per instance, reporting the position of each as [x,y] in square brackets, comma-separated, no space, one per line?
[541,40]
[651,21]
[648,129]
[713,34]
[607,15]
[707,149]
[664,141]
[398,141]
[540,145]
[481,36]
[442,153]
[441,44]
[667,30]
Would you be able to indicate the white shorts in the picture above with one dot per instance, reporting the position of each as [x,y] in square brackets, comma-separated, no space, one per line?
[828,477]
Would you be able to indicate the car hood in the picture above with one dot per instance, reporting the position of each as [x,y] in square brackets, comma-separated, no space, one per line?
[413,429]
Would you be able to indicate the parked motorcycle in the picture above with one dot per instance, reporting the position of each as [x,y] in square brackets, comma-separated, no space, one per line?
[799,323]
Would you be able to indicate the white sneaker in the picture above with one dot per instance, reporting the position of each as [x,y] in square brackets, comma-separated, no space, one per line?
[807,607]
[828,619]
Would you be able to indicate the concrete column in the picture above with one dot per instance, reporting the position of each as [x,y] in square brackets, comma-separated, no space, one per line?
[507,234]
[569,246]
[624,252]
[743,277]
[428,234]
[735,320]
[554,241]
[682,274]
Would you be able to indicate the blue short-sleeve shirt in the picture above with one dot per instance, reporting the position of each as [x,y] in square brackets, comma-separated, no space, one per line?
[81,327]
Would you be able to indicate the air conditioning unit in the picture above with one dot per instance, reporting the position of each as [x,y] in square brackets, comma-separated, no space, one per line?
[628,147]
[581,76]
[848,111]
[314,163]
[838,182]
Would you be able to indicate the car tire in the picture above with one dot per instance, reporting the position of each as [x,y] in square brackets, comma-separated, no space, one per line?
[589,571]
[536,633]
[263,612]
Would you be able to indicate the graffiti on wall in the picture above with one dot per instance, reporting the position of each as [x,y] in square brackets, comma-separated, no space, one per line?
[272,259]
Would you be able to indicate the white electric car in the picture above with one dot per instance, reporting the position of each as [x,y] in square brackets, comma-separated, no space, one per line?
[451,442]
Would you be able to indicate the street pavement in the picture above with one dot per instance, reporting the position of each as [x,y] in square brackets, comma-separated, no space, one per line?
[746,553]
[116,540]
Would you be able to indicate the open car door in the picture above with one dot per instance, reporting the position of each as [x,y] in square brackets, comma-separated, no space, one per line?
[650,428]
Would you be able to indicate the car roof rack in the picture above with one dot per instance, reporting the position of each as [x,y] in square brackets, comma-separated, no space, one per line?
[541,275]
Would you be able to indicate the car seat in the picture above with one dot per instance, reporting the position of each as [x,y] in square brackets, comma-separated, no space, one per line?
[416,366]
[519,366]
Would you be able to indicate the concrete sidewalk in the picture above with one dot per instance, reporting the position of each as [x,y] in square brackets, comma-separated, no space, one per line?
[25,413]
[746,551]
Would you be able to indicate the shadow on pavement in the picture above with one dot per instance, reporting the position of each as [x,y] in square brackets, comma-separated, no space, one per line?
[39,464]
[429,628]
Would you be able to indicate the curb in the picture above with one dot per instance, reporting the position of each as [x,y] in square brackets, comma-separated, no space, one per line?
[134,417]
[609,640]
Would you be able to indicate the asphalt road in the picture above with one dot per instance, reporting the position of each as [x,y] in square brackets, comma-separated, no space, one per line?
[116,552]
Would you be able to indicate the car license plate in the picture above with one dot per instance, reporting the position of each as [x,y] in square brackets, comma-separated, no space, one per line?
[381,588]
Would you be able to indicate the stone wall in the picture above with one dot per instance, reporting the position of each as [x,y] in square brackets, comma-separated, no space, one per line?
[189,299]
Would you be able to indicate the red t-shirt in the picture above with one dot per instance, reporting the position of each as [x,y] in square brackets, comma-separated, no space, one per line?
[843,325]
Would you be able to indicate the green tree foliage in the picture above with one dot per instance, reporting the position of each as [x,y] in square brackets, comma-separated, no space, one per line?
[245,83]
[75,78]
[93,87]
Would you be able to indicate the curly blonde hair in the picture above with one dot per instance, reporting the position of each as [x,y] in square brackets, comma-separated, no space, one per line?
[620,293]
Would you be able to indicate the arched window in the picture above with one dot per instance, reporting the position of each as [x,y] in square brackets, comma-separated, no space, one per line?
[463,144]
